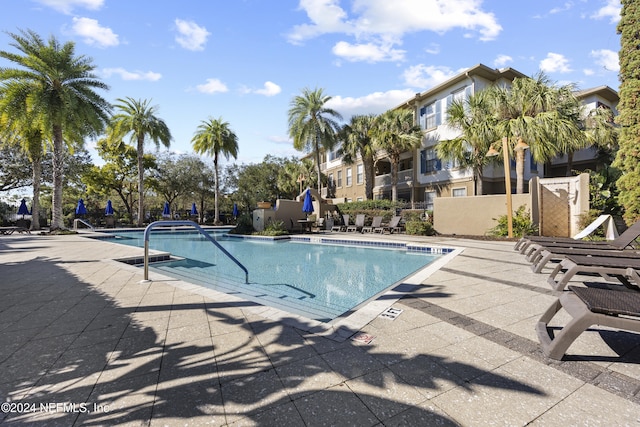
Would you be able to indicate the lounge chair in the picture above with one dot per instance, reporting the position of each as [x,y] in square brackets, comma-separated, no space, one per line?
[343,226]
[588,306]
[11,230]
[541,258]
[623,241]
[358,225]
[375,223]
[392,227]
[605,220]
[623,269]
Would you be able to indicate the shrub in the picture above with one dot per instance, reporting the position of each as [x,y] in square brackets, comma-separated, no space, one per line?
[273,228]
[522,224]
[418,227]
[244,226]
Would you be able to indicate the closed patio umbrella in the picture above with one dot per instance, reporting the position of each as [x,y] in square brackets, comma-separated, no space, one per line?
[166,212]
[109,209]
[194,211]
[307,206]
[23,210]
[235,210]
[81,209]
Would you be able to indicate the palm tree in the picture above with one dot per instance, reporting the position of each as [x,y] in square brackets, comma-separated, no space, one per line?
[539,114]
[214,137]
[356,141]
[138,119]
[31,142]
[474,118]
[395,132]
[312,125]
[54,88]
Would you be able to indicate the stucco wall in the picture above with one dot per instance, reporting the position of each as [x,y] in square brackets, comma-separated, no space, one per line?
[473,216]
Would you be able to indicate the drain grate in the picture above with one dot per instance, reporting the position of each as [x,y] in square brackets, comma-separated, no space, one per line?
[391,313]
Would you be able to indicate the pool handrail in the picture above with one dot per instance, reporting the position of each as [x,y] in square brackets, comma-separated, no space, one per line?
[147,232]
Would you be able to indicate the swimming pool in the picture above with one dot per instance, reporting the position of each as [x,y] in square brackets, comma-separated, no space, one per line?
[322,281]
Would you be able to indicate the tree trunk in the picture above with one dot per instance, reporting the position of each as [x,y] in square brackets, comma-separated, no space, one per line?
[216,217]
[57,220]
[569,163]
[394,180]
[35,206]
[140,180]
[519,171]
[369,176]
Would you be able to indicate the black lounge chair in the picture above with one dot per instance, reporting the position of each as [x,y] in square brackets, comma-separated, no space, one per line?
[544,256]
[11,230]
[619,309]
[531,244]
[626,270]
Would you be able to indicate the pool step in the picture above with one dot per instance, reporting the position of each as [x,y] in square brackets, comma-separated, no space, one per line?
[271,295]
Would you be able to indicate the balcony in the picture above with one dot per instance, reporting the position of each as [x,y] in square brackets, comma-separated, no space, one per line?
[404,176]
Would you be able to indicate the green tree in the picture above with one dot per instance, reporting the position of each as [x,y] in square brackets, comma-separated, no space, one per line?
[118,175]
[628,156]
[15,169]
[138,119]
[289,183]
[395,132]
[312,125]
[356,141]
[55,90]
[475,119]
[214,137]
[539,114]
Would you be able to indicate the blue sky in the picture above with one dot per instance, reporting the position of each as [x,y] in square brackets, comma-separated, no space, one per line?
[244,60]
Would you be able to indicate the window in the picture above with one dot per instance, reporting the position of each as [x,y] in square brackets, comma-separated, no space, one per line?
[333,154]
[349,178]
[533,166]
[429,197]
[331,183]
[359,174]
[459,192]
[429,162]
[339,179]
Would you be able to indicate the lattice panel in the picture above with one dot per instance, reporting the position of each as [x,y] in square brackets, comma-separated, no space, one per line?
[555,213]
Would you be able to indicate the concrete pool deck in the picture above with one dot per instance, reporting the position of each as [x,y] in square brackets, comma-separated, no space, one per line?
[83,342]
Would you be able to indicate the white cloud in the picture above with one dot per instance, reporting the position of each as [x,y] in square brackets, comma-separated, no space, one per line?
[131,75]
[555,63]
[434,49]
[93,33]
[368,52]
[502,60]
[191,36]
[426,76]
[607,59]
[212,86]
[374,103]
[269,89]
[610,10]
[67,6]
[378,25]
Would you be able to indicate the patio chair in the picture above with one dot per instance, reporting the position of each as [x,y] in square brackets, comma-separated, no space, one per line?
[605,220]
[375,223]
[358,224]
[623,269]
[392,227]
[544,256]
[318,225]
[343,226]
[619,309]
[623,241]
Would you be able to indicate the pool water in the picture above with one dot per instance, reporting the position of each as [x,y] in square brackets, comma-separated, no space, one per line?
[318,281]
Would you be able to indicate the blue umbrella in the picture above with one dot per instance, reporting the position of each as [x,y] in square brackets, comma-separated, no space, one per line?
[307,207]
[23,210]
[166,212]
[109,209]
[194,211]
[235,210]
[80,209]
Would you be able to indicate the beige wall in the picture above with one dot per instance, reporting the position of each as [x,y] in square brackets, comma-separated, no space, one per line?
[473,216]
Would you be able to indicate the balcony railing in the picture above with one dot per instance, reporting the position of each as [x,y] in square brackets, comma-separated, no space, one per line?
[404,176]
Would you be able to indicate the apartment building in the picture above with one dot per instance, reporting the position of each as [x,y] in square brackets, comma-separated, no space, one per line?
[422,176]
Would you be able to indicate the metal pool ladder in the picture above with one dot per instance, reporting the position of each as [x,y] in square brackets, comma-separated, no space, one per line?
[147,232]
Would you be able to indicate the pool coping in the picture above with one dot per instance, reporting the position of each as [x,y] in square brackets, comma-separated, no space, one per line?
[343,327]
